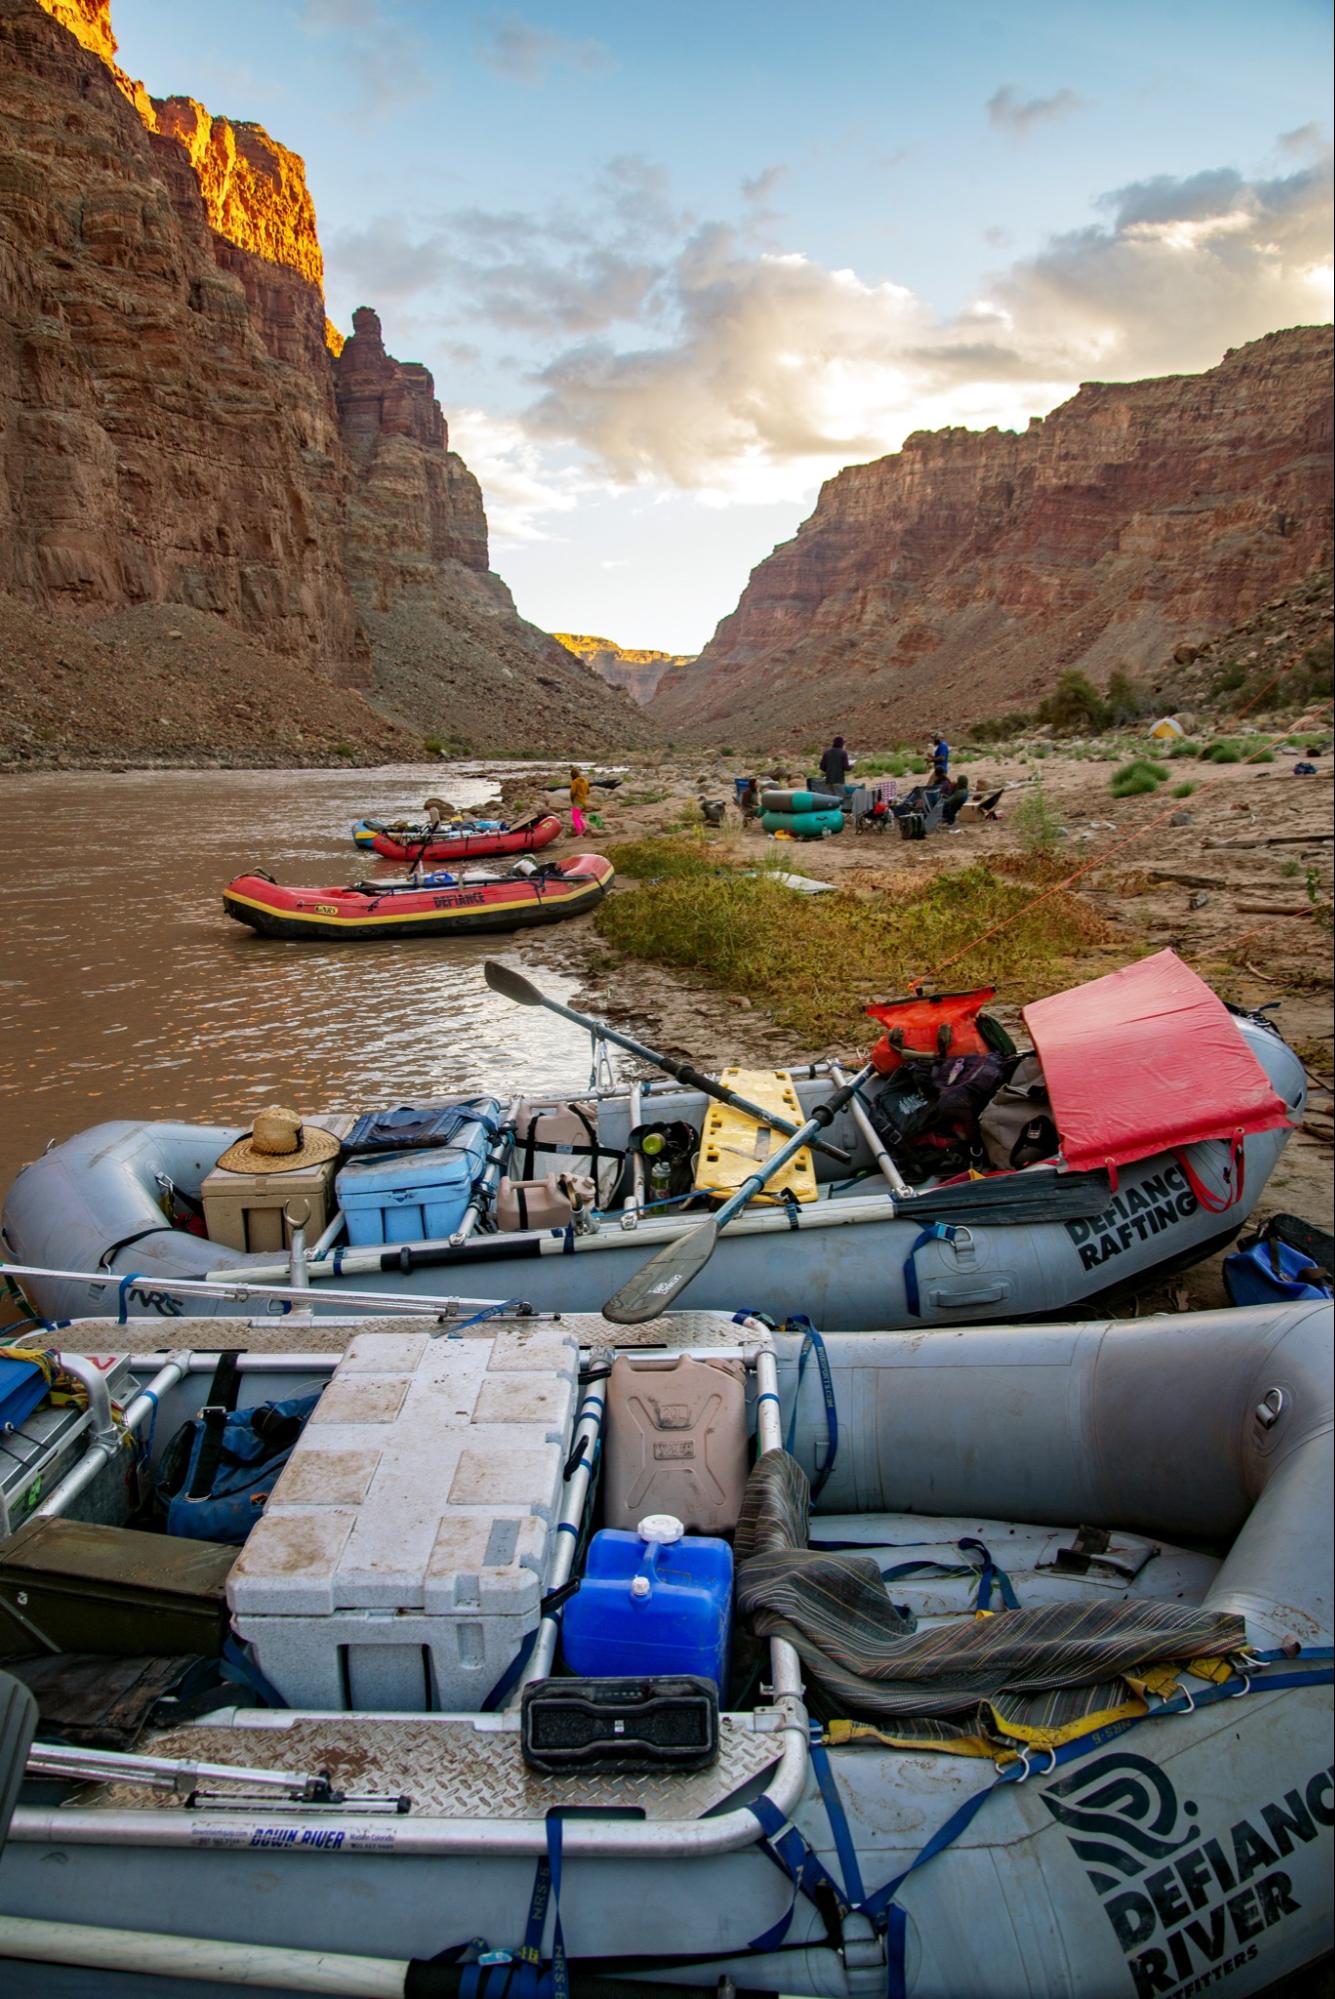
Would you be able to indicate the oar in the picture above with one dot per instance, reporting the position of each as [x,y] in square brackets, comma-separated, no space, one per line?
[514,986]
[653,1287]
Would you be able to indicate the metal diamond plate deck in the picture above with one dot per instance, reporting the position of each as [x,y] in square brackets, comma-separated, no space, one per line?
[449,1769]
[289,1335]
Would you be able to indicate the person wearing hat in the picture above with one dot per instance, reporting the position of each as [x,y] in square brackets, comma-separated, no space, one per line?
[279,1142]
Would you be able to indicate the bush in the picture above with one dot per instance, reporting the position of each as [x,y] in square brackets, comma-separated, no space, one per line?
[660,860]
[1075,703]
[1000,728]
[1184,747]
[1222,753]
[1034,822]
[1127,699]
[1266,756]
[433,746]
[1185,790]
[1141,775]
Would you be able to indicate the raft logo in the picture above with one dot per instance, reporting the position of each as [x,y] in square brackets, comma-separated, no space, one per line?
[1198,1902]
[1158,1202]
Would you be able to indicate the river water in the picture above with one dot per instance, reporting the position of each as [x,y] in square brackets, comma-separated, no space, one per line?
[126,992]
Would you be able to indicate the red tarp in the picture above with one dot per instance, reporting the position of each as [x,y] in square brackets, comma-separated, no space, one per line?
[1147,1059]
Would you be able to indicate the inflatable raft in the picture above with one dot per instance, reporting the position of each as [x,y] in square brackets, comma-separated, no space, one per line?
[435,905]
[803,825]
[1116,1782]
[1171,1113]
[460,840]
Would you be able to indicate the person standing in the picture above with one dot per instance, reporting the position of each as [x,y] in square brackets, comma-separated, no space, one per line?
[939,751]
[579,798]
[835,764]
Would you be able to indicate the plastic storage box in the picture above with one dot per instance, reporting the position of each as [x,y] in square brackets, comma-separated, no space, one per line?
[401,1561]
[418,1196]
[249,1211]
[651,1606]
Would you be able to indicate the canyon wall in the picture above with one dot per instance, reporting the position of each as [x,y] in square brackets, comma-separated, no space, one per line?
[960,575]
[180,436]
[640,673]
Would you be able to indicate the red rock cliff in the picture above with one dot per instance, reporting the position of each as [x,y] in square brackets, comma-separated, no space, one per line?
[965,571]
[175,431]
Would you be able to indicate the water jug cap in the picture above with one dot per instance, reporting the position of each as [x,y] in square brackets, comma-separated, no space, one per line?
[662,1527]
[640,1585]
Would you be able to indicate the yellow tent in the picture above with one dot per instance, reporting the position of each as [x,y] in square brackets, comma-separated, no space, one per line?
[1165,730]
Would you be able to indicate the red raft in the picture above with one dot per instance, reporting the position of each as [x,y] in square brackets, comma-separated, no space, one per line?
[416,844]
[441,905]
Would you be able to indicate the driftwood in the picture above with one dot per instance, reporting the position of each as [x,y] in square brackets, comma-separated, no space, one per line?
[1275,840]
[1275,909]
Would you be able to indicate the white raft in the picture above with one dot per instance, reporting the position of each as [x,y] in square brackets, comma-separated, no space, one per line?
[1174,1849]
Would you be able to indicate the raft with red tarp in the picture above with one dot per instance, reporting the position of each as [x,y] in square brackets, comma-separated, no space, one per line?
[464,841]
[440,905]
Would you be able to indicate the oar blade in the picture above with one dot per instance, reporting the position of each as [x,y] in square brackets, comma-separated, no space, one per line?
[510,985]
[655,1286]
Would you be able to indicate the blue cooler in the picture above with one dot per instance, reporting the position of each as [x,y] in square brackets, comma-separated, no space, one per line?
[650,1603]
[417,1196]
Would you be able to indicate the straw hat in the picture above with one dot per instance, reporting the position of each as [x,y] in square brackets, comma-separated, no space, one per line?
[278,1143]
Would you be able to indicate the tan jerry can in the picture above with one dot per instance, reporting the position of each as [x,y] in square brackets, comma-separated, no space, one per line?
[675,1441]
[533,1204]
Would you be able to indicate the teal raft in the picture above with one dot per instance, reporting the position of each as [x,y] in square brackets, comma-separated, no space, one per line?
[803,825]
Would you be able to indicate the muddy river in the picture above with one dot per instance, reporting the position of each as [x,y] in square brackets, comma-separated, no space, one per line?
[126,992]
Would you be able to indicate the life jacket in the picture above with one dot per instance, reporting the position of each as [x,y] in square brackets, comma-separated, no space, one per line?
[928,1027]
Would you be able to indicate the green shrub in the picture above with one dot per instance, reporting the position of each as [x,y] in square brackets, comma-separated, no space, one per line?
[1127,699]
[1266,756]
[1222,753]
[1141,775]
[1184,747]
[344,750]
[433,746]
[1291,870]
[1075,703]
[1185,790]
[1001,728]
[660,860]
[1034,822]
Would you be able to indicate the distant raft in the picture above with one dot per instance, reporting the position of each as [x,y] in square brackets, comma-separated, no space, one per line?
[803,825]
[459,840]
[439,905]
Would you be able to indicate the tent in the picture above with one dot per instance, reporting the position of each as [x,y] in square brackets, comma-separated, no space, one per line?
[1167,729]
[1145,1060]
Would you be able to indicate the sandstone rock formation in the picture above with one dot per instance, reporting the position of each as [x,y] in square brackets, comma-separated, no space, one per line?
[960,575]
[173,421]
[640,673]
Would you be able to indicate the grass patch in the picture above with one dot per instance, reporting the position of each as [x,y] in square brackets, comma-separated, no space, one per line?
[813,962]
[1185,789]
[1224,752]
[1184,747]
[890,763]
[660,860]
[1142,774]
[1266,756]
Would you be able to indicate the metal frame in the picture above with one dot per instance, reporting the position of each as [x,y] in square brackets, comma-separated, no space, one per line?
[612,1838]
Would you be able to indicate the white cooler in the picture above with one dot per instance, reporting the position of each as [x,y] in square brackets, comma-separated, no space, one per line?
[402,1559]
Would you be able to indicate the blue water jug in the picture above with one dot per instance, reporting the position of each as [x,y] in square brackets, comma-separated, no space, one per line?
[652,1602]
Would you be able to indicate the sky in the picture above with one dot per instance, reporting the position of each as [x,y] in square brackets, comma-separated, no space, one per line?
[673,265]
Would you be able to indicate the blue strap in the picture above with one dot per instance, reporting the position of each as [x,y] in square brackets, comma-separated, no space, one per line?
[934,1232]
[122,1315]
[991,1572]
[487,1312]
[785,1846]
[813,1343]
[560,1972]
[854,1892]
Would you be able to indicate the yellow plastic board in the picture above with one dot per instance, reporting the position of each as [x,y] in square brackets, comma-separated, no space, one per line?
[733,1146]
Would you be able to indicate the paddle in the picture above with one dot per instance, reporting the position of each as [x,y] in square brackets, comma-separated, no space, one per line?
[653,1287]
[514,986]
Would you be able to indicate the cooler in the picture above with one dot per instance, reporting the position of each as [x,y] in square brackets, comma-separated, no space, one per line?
[248,1211]
[417,1196]
[401,1561]
[651,1603]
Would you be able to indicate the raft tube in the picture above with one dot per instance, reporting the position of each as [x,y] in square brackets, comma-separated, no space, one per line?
[444,908]
[803,825]
[468,842]
[801,801]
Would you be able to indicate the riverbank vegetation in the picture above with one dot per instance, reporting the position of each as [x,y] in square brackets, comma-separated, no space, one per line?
[813,961]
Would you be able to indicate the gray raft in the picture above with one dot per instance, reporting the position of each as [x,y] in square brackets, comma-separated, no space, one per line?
[1175,1466]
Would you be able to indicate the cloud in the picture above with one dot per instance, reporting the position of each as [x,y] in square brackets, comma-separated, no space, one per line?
[385,55]
[523,488]
[525,54]
[762,372]
[568,272]
[1304,142]
[1009,113]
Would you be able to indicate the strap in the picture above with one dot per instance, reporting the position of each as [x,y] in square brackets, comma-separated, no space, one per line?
[813,1343]
[991,1572]
[934,1232]
[223,1392]
[782,1843]
[1235,1173]
[854,1892]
